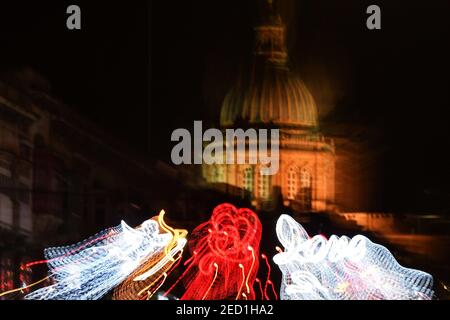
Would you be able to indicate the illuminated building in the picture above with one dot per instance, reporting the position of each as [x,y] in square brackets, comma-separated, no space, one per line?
[62,178]
[269,95]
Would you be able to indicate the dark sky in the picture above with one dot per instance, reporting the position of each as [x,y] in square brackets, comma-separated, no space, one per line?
[142,69]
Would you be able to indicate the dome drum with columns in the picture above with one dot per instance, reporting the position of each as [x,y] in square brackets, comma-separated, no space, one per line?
[271,96]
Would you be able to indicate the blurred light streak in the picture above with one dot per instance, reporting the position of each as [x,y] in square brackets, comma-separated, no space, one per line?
[91,268]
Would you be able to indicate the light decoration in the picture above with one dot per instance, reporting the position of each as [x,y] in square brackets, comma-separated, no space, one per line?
[224,260]
[146,280]
[268,280]
[341,268]
[92,268]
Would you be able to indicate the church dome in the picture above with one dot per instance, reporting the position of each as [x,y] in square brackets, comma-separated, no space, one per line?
[270,94]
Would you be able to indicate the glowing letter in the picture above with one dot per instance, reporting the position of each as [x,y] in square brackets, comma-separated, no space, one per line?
[184,146]
[374,21]
[216,147]
[274,159]
[241,137]
[74,20]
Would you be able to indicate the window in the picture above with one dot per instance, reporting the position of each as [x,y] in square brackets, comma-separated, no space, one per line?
[247,182]
[264,186]
[306,189]
[218,174]
[305,178]
[292,183]
[6,210]
[26,222]
[248,179]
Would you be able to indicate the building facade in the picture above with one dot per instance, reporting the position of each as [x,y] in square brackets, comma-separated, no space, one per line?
[63,179]
[270,95]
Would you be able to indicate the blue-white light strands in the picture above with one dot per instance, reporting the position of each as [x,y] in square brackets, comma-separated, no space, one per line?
[90,269]
[341,268]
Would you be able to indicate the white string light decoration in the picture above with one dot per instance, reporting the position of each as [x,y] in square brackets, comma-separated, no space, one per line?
[90,269]
[341,268]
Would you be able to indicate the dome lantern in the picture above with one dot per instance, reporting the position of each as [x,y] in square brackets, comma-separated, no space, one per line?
[270,36]
[270,94]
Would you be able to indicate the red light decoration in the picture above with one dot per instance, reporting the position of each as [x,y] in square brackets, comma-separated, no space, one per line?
[268,281]
[261,293]
[224,260]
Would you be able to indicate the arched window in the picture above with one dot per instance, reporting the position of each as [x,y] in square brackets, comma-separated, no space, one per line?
[305,189]
[292,183]
[264,186]
[212,172]
[248,181]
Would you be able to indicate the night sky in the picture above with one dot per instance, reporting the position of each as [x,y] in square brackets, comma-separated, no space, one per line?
[141,70]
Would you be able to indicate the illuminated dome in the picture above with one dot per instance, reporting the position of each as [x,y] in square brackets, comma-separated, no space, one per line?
[269,94]
[276,97]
